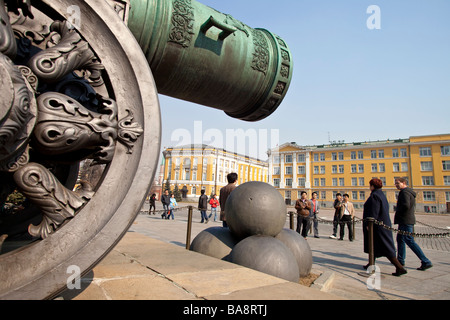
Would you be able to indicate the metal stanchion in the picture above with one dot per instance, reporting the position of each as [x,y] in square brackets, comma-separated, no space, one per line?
[291,220]
[353,228]
[371,221]
[189,227]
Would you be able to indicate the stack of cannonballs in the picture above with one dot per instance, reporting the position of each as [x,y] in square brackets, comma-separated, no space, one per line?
[256,238]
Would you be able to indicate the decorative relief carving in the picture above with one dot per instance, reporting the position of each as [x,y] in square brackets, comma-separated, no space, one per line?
[261,55]
[280,88]
[71,53]
[284,71]
[57,203]
[182,23]
[7,41]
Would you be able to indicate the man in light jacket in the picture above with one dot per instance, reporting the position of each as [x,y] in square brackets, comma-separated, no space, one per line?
[405,218]
[346,218]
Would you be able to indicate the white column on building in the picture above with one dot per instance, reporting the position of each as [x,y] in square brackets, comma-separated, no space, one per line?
[294,171]
[308,170]
[282,182]
[271,169]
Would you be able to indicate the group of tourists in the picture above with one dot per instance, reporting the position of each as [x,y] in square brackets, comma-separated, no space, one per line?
[376,207]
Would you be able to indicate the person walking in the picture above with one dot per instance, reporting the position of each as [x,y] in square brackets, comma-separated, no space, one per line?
[377,207]
[346,217]
[405,218]
[224,193]
[173,204]
[337,213]
[165,200]
[303,207]
[203,206]
[214,204]
[315,207]
[152,204]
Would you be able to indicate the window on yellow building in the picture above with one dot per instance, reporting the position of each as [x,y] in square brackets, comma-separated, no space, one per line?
[428,181]
[394,153]
[426,166]
[425,152]
[445,151]
[382,167]
[429,196]
[445,165]
[276,183]
[446,180]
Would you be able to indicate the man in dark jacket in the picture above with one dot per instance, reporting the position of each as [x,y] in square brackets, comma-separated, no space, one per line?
[203,206]
[165,200]
[405,218]
[224,193]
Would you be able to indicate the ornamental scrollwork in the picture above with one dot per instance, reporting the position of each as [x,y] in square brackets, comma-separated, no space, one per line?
[261,54]
[55,112]
[182,29]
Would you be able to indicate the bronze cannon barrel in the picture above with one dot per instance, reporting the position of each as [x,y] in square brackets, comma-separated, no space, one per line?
[203,56]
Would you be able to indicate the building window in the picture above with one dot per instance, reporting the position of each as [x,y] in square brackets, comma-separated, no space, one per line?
[361,182]
[445,151]
[316,169]
[194,191]
[322,157]
[334,156]
[382,167]
[428,181]
[323,195]
[383,179]
[381,154]
[354,182]
[334,182]
[301,169]
[404,166]
[341,182]
[322,169]
[447,196]
[426,166]
[341,168]
[374,167]
[288,170]
[276,159]
[360,155]
[429,196]
[446,180]
[288,158]
[362,195]
[323,182]
[316,157]
[353,155]
[288,182]
[316,182]
[446,165]
[301,157]
[355,195]
[394,153]
[396,167]
[276,170]
[361,168]
[429,209]
[353,168]
[288,194]
[373,154]
[334,169]
[403,152]
[276,183]
[425,152]
[301,182]
[341,156]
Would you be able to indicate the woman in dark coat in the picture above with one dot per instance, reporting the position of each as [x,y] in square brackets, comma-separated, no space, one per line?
[377,207]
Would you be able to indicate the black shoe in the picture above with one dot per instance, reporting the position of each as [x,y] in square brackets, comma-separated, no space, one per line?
[424,267]
[316,237]
[341,239]
[400,272]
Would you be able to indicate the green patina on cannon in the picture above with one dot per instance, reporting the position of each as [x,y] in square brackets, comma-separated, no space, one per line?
[80,94]
[203,56]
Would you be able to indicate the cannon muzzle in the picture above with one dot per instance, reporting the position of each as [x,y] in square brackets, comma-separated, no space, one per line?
[200,55]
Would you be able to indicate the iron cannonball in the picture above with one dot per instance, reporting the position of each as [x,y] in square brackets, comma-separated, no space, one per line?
[267,255]
[300,248]
[255,208]
[215,242]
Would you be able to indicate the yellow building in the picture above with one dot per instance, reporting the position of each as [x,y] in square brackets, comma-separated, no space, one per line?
[196,167]
[348,168]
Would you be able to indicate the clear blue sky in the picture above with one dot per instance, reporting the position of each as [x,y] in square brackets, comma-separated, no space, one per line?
[349,82]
